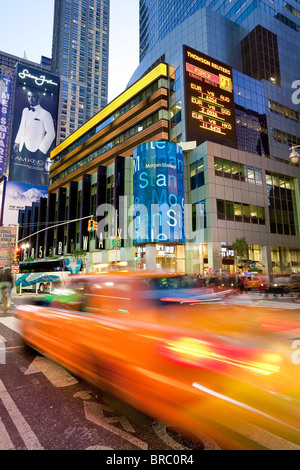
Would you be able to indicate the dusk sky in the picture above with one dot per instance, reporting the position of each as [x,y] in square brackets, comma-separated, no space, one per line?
[28,29]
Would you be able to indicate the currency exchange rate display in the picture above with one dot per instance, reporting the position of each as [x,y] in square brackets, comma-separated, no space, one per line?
[209,99]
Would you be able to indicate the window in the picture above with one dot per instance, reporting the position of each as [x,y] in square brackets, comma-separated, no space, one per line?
[281,203]
[197,174]
[175,114]
[198,215]
[237,171]
[260,55]
[218,166]
[239,212]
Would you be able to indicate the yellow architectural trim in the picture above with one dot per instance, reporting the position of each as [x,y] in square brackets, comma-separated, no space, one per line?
[159,71]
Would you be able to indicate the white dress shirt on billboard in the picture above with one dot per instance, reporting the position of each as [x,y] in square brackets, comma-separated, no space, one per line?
[36,130]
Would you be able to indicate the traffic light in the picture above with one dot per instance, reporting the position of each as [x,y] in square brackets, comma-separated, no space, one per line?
[90,226]
[17,254]
[95,225]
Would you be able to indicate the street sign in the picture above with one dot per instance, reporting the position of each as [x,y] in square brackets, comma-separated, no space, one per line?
[15,269]
[116,241]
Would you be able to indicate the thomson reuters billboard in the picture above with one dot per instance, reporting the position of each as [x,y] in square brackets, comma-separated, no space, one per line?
[209,99]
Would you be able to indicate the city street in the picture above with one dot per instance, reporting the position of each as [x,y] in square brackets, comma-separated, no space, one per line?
[43,407]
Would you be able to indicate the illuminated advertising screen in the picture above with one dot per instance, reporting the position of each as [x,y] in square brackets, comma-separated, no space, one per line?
[17,197]
[209,99]
[5,98]
[158,193]
[34,125]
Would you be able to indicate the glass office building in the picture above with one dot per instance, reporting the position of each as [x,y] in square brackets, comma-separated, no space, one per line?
[260,41]
[80,57]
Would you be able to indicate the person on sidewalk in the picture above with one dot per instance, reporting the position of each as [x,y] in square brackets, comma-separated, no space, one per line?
[6,282]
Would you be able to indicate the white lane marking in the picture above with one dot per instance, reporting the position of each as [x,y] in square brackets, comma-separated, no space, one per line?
[12,323]
[5,442]
[257,434]
[2,350]
[25,431]
[56,374]
[262,436]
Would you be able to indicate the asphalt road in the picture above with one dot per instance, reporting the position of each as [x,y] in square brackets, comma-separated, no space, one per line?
[43,407]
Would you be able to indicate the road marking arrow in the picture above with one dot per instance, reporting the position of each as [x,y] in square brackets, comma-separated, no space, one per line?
[95,412]
[2,350]
[56,374]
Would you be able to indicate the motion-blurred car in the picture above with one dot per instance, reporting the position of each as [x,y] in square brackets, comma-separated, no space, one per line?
[252,282]
[200,366]
[294,283]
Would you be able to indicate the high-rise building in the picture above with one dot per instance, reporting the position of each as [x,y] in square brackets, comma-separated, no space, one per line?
[258,39]
[80,57]
[158,18]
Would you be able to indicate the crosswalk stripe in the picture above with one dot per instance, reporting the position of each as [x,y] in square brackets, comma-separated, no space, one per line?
[261,436]
[25,431]
[5,441]
[11,322]
[257,434]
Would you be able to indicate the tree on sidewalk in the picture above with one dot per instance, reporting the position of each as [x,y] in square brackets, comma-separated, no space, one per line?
[240,246]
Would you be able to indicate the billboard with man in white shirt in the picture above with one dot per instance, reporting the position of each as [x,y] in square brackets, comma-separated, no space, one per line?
[34,126]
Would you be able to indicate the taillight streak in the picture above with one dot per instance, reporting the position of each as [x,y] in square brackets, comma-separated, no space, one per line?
[193,352]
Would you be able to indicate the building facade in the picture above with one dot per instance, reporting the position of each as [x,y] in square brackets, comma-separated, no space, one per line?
[217,81]
[80,57]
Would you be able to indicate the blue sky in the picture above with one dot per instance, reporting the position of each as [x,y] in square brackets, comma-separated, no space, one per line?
[28,28]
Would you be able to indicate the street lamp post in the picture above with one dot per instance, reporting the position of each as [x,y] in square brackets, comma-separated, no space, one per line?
[294,156]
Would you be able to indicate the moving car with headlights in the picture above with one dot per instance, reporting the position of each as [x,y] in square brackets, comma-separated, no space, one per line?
[200,366]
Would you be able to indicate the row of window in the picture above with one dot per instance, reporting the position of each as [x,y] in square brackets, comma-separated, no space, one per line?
[279,181]
[279,187]
[271,11]
[147,92]
[282,205]
[284,137]
[282,222]
[239,212]
[108,146]
[284,110]
[237,171]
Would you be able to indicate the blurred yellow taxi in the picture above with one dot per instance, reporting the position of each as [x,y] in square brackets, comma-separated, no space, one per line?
[183,359]
[252,282]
